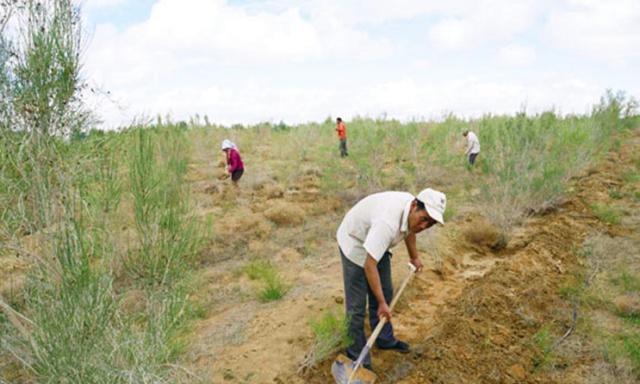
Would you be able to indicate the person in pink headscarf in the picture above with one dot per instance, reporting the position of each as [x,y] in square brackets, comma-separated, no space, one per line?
[234,161]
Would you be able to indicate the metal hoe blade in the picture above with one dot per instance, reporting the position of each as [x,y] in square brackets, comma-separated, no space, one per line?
[343,368]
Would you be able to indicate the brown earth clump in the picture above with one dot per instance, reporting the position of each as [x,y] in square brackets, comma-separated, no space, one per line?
[243,221]
[306,188]
[289,255]
[12,276]
[273,191]
[133,301]
[284,213]
[628,304]
[312,171]
[212,189]
[482,233]
[488,335]
[219,173]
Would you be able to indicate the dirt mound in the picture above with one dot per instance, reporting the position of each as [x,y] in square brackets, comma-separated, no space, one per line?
[273,191]
[212,189]
[628,304]
[285,213]
[12,276]
[488,334]
[288,255]
[306,187]
[133,301]
[482,233]
[219,173]
[243,221]
[313,171]
[257,181]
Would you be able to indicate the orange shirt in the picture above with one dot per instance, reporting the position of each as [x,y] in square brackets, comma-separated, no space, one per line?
[342,130]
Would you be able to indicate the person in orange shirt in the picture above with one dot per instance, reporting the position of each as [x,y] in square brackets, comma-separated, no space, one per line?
[342,135]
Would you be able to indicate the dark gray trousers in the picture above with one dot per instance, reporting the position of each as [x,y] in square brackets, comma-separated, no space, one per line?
[357,291]
[343,148]
[472,158]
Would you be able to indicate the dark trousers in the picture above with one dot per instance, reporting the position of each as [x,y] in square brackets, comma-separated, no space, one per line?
[472,158]
[343,148]
[357,291]
[236,175]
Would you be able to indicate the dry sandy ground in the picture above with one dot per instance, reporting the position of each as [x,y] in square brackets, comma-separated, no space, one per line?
[470,316]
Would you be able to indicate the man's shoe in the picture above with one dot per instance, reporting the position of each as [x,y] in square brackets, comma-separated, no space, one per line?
[399,346]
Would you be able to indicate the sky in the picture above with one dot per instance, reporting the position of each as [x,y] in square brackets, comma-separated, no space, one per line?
[247,61]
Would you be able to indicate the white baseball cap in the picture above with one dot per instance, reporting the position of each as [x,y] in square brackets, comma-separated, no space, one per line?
[227,144]
[435,202]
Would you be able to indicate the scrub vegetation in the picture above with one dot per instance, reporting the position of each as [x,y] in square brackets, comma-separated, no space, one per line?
[272,287]
[105,298]
[330,333]
[607,297]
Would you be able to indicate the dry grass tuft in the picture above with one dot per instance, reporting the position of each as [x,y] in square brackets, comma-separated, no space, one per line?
[482,234]
[134,301]
[284,213]
[288,255]
[273,191]
[243,221]
[628,304]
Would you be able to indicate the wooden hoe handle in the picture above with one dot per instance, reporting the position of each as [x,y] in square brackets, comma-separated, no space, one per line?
[383,321]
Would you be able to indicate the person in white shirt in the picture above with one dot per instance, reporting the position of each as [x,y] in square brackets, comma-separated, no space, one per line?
[373,226]
[473,146]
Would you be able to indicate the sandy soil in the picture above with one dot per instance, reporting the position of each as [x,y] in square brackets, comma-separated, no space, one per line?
[470,316]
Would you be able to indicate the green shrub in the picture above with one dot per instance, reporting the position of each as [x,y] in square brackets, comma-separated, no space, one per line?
[167,237]
[627,281]
[631,176]
[615,194]
[273,287]
[606,214]
[543,341]
[632,348]
[78,330]
[257,269]
[330,334]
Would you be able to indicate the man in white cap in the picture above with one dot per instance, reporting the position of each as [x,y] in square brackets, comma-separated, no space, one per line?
[373,226]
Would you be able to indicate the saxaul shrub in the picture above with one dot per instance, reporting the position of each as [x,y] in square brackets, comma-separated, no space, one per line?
[167,236]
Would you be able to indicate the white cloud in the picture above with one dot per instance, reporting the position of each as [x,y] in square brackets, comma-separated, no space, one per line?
[451,34]
[608,31]
[301,61]
[474,96]
[215,31]
[372,11]
[516,55]
[483,22]
[142,63]
[406,98]
[361,12]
